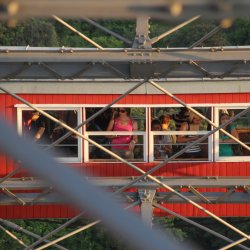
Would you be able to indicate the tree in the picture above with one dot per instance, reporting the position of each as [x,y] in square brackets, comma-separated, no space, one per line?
[32,32]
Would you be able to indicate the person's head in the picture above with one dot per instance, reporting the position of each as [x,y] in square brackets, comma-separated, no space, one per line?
[35,115]
[224,117]
[124,111]
[184,111]
[156,125]
[196,119]
[165,118]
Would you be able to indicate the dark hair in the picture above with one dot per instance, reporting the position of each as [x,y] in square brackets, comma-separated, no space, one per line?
[127,109]
[155,122]
[161,118]
[228,127]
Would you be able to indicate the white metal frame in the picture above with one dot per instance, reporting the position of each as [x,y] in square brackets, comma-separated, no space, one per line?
[140,133]
[21,108]
[216,135]
[83,147]
[153,133]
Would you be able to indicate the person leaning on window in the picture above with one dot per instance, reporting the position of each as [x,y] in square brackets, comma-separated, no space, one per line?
[123,145]
[194,125]
[162,149]
[225,148]
[37,128]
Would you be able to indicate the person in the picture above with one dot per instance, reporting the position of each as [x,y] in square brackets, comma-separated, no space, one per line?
[226,149]
[123,145]
[181,117]
[193,125]
[166,126]
[161,147]
[165,121]
[37,128]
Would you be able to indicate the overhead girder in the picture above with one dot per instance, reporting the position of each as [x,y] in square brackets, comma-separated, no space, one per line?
[20,63]
[42,193]
[160,9]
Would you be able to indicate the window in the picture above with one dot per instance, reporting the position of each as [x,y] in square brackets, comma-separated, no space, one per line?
[138,133]
[44,131]
[226,148]
[173,128]
[120,130]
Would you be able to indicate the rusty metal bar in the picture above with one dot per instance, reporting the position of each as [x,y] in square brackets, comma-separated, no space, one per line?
[110,32]
[12,195]
[25,231]
[158,38]
[198,194]
[77,32]
[79,230]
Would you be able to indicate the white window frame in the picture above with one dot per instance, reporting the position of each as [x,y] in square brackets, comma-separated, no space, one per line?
[152,133]
[216,136]
[201,133]
[48,107]
[95,133]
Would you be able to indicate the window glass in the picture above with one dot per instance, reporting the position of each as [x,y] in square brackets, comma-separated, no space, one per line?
[121,130]
[179,128]
[43,131]
[240,129]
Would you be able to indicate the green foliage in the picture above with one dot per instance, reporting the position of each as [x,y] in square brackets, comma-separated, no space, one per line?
[32,32]
[239,33]
[191,33]
[35,32]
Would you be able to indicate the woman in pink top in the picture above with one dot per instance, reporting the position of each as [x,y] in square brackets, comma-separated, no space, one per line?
[123,145]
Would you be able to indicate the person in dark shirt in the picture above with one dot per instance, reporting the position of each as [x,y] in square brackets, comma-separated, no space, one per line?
[181,117]
[37,128]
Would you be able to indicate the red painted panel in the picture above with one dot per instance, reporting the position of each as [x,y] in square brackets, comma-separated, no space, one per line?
[116,169]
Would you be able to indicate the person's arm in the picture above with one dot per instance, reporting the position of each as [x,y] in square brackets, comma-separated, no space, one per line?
[110,128]
[39,133]
[167,148]
[181,138]
[134,137]
[233,133]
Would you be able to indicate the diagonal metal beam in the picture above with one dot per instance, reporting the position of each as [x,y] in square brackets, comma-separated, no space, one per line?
[10,174]
[233,244]
[79,230]
[77,74]
[41,195]
[108,31]
[168,196]
[25,231]
[198,194]
[201,69]
[44,65]
[13,236]
[18,71]
[206,37]
[169,69]
[13,196]
[247,188]
[158,38]
[77,32]
[232,69]
[225,195]
[206,229]
[114,69]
